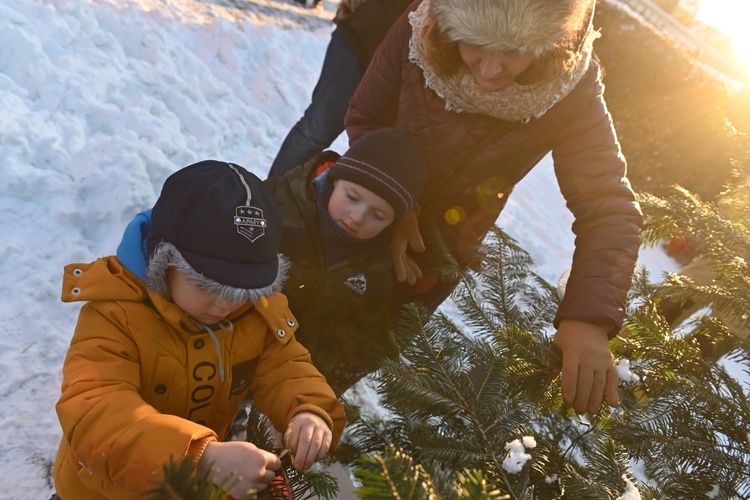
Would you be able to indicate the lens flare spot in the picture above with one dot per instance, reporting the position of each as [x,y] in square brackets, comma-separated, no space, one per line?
[501,195]
[455,215]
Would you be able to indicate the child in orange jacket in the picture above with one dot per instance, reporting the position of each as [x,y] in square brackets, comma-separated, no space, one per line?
[174,333]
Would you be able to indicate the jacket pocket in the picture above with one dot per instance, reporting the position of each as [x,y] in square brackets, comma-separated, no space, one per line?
[160,387]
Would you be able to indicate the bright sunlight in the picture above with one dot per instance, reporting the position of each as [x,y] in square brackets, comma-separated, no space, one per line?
[731,17]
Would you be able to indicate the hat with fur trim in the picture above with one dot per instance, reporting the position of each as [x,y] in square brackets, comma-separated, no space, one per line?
[536,26]
[387,162]
[224,222]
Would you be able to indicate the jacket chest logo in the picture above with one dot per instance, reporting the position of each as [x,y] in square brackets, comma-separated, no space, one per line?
[250,222]
[357,283]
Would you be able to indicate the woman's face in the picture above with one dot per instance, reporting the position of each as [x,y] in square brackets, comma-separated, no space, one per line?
[493,70]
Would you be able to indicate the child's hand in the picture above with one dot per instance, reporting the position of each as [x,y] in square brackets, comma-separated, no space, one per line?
[249,466]
[308,438]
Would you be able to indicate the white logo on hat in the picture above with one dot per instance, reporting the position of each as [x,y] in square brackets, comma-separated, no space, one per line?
[357,283]
[250,222]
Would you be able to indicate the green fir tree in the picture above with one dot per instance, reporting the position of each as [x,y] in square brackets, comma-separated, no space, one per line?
[476,410]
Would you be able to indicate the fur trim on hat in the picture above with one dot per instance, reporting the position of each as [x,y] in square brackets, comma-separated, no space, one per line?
[535,26]
[166,255]
[515,102]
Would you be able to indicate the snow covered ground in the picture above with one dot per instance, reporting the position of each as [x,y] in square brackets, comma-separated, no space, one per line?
[101,100]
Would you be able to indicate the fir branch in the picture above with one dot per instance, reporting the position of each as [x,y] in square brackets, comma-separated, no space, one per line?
[463,388]
[504,291]
[184,481]
[393,475]
[473,485]
[297,484]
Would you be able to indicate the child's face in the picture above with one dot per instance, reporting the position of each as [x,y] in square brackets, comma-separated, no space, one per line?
[359,211]
[207,309]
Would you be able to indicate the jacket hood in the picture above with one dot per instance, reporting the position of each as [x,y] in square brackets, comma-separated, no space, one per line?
[536,26]
[104,279]
[107,279]
[132,250]
[515,102]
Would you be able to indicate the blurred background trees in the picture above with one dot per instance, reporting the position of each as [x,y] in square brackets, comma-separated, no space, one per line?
[664,106]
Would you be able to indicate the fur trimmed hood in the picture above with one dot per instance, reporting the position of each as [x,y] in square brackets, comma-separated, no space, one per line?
[515,102]
[536,26]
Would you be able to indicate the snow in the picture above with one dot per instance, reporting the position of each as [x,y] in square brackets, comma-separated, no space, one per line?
[625,373]
[517,456]
[631,492]
[101,100]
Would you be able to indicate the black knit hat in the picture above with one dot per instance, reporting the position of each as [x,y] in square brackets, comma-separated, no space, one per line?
[224,222]
[388,163]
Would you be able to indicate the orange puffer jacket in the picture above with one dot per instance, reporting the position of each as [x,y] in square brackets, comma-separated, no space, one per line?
[142,383]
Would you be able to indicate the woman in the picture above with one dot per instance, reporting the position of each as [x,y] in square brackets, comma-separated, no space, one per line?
[488,88]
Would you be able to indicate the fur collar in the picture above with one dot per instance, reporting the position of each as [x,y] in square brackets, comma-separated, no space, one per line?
[513,103]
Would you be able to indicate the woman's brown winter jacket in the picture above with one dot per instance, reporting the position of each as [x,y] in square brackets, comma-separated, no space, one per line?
[577,131]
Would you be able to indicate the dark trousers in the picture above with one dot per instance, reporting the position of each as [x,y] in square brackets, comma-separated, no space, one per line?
[323,120]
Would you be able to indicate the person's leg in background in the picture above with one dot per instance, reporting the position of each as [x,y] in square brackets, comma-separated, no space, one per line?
[323,120]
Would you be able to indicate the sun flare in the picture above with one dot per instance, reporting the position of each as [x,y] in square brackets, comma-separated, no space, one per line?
[730,17]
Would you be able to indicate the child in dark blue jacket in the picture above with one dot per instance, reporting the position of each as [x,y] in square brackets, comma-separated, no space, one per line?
[337,212]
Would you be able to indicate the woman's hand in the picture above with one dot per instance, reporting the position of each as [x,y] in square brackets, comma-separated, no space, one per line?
[406,232]
[308,438]
[588,368]
[250,467]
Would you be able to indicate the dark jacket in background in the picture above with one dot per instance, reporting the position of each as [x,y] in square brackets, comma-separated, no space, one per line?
[364,23]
